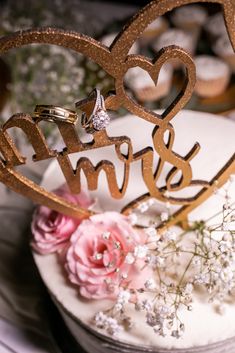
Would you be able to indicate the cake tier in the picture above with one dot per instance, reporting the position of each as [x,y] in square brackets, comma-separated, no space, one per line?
[206,330]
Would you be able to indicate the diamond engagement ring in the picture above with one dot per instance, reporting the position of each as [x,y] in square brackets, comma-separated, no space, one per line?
[99,118]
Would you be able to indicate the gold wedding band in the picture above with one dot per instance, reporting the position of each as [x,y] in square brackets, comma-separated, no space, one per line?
[54,113]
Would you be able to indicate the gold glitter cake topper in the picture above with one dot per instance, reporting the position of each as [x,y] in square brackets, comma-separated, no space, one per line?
[116,62]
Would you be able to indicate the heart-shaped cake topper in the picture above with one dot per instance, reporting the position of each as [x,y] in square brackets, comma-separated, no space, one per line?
[116,62]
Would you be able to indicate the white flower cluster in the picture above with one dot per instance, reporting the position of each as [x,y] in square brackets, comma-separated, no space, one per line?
[203,256]
[214,264]
[140,252]
[161,216]
[122,299]
[161,313]
[107,323]
[115,319]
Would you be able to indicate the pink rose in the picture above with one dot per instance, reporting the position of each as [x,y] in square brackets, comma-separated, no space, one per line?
[106,252]
[52,230]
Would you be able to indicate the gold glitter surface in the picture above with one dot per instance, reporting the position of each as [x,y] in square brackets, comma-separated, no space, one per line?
[116,62]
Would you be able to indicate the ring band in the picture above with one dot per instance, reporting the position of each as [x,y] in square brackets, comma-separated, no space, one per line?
[54,113]
[99,118]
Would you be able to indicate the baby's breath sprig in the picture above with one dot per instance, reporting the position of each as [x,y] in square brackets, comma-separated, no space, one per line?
[180,263]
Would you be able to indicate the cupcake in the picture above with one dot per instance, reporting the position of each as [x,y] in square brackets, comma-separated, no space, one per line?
[190,18]
[213,76]
[215,26]
[143,86]
[224,50]
[176,37]
[109,38]
[155,28]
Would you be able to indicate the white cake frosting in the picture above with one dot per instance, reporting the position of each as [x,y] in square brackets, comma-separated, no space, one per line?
[189,14]
[174,37]
[203,325]
[210,68]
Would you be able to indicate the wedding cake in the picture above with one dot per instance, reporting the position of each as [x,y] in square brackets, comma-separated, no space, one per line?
[205,325]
